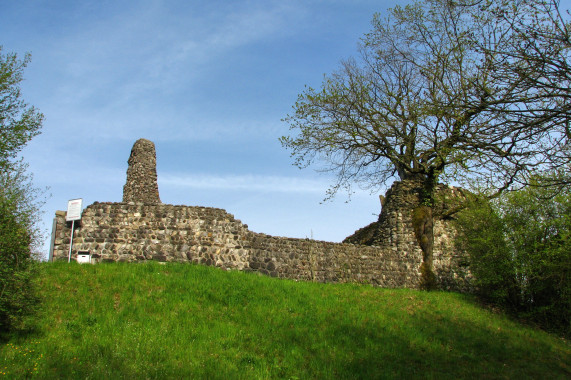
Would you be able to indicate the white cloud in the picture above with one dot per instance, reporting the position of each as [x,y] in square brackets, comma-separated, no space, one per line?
[158,45]
[248,25]
[247,182]
[135,69]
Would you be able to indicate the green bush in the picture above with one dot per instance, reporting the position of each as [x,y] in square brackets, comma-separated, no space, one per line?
[520,253]
[17,295]
[19,203]
[483,233]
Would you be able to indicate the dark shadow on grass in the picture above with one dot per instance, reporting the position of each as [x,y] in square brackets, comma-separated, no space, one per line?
[441,349]
[29,330]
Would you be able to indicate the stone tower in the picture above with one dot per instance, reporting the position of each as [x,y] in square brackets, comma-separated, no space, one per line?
[141,186]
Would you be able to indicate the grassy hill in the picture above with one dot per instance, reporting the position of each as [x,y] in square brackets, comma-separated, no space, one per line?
[138,321]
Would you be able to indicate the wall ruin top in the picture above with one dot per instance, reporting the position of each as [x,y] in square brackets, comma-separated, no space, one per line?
[141,185]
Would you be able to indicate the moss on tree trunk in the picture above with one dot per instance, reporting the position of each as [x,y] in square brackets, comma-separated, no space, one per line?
[423,224]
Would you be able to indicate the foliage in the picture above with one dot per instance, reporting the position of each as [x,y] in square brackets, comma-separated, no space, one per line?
[17,295]
[19,201]
[525,47]
[463,91]
[482,231]
[125,321]
[520,249]
[423,102]
[26,200]
[19,122]
[20,204]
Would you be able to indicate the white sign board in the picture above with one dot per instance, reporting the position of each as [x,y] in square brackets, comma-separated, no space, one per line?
[74,208]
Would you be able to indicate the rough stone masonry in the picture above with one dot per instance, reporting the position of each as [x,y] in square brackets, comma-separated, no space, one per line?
[142,183]
[141,229]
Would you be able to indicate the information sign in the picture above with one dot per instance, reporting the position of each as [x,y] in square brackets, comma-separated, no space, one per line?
[74,208]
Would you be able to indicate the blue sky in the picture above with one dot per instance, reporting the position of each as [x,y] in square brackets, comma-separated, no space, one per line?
[207,81]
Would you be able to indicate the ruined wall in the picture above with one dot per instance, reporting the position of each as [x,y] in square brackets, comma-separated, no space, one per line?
[450,264]
[141,185]
[137,232]
[394,230]
[140,228]
[311,260]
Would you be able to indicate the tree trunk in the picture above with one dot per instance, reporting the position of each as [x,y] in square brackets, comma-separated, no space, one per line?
[423,223]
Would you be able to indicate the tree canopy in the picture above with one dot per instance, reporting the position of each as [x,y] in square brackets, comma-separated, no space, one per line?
[19,201]
[519,247]
[450,90]
[457,91]
[19,122]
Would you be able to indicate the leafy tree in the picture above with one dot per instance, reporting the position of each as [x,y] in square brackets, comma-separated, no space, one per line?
[17,295]
[25,200]
[421,104]
[482,233]
[520,251]
[19,122]
[19,200]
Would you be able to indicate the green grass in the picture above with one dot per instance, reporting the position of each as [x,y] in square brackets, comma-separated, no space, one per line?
[138,321]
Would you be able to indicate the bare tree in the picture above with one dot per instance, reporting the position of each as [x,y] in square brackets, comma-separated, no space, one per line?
[525,46]
[425,102]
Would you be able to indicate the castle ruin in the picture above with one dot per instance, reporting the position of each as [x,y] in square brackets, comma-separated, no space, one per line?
[141,228]
[142,183]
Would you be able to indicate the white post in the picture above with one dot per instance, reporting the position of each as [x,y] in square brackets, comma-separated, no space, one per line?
[71,240]
[73,213]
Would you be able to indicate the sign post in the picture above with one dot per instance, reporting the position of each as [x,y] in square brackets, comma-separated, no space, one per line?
[74,208]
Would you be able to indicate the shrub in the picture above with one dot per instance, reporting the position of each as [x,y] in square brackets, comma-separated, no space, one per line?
[17,295]
[19,205]
[520,253]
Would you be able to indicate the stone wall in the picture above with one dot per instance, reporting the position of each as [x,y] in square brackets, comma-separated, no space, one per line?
[141,185]
[140,228]
[137,232]
[394,230]
[131,232]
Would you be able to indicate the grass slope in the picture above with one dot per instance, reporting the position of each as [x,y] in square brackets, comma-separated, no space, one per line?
[136,321]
